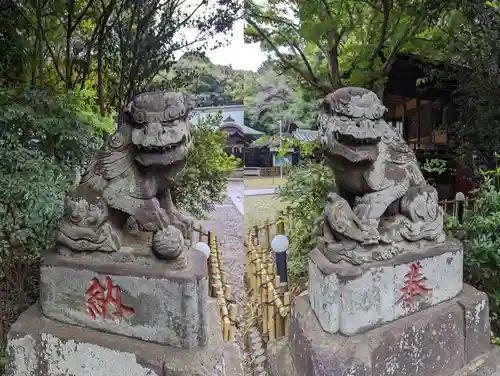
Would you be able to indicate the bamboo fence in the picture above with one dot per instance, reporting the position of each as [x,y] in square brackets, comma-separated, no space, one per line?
[218,286]
[267,307]
[458,207]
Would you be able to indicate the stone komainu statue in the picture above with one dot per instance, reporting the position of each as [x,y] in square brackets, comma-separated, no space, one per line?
[383,202]
[125,193]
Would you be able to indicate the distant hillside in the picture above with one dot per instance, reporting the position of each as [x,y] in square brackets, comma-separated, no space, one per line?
[269,98]
[272,98]
[210,84]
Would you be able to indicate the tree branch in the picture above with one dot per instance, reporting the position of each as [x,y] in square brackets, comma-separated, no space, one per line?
[383,33]
[283,59]
[79,18]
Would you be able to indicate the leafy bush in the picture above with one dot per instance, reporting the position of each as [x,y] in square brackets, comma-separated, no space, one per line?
[306,189]
[451,224]
[44,139]
[208,168]
[482,247]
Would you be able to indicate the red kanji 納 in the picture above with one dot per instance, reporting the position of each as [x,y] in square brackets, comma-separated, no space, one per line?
[97,300]
[413,287]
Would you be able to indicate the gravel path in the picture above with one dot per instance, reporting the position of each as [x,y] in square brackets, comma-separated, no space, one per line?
[227,223]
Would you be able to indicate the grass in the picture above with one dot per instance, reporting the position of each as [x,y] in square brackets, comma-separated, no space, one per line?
[258,182]
[258,208]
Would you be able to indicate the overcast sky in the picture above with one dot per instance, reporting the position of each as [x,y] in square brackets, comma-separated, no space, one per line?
[237,53]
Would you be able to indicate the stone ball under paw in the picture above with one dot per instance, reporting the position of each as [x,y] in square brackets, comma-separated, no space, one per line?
[168,243]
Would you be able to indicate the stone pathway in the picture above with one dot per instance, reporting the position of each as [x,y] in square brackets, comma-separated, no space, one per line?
[236,194]
[263,191]
[226,221]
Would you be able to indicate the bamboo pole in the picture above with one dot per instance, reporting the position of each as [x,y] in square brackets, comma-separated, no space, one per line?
[278,318]
[255,234]
[286,323]
[258,284]
[270,315]
[210,268]
[280,224]
[232,317]
[267,235]
[264,302]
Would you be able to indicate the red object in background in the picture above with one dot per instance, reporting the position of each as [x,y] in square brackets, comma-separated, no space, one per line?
[463,185]
[97,300]
[413,286]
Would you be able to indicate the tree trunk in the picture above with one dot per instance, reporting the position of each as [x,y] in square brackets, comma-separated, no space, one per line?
[39,44]
[69,32]
[333,68]
[34,60]
[100,90]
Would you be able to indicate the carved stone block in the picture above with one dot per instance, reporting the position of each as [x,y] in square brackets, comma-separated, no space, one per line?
[39,346]
[432,342]
[352,299]
[159,302]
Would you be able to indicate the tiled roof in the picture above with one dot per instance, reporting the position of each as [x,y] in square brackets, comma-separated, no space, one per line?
[305,135]
[250,131]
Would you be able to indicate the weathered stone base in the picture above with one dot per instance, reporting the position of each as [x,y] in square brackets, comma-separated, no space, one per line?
[169,303]
[43,347]
[353,299]
[438,341]
[281,362]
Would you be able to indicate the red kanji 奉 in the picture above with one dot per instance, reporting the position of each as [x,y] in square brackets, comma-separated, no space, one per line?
[413,287]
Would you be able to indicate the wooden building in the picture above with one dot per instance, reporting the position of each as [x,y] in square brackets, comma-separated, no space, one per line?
[423,113]
[238,137]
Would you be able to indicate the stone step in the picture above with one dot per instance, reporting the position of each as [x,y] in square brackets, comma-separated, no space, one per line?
[43,347]
[438,341]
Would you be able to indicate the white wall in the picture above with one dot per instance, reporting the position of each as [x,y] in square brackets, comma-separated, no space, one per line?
[235,111]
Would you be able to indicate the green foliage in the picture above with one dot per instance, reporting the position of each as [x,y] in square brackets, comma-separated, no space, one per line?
[271,98]
[451,224]
[306,148]
[33,186]
[208,168]
[210,84]
[329,44]
[44,139]
[474,49]
[482,256]
[435,166]
[495,340]
[306,189]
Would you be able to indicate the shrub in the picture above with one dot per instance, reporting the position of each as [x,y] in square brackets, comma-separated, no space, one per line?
[43,140]
[482,246]
[306,189]
[451,225]
[208,170]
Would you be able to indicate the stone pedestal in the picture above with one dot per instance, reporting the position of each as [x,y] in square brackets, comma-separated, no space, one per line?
[351,299]
[435,342]
[98,317]
[168,303]
[39,346]
[363,321]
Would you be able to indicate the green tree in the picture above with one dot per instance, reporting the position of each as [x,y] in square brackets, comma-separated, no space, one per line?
[306,189]
[474,48]
[208,83]
[44,140]
[271,98]
[330,43]
[208,170]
